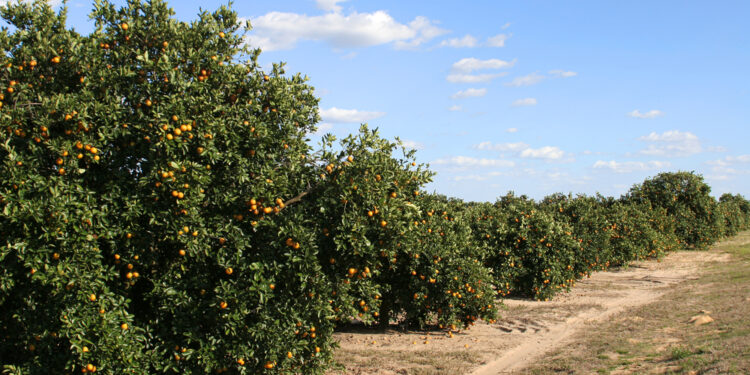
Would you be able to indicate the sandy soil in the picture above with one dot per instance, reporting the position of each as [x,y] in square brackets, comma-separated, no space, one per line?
[525,329]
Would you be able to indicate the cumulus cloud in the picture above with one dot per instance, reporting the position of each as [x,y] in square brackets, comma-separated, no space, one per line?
[473,78]
[671,143]
[338,115]
[558,73]
[470,64]
[524,102]
[468,93]
[466,42]
[650,114]
[546,152]
[631,166]
[527,80]
[282,30]
[497,40]
[463,162]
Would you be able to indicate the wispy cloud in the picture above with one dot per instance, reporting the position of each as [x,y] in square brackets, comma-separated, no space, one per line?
[470,64]
[524,102]
[329,5]
[558,73]
[631,166]
[489,146]
[671,143]
[455,108]
[650,114]
[473,78]
[547,152]
[478,177]
[523,150]
[463,162]
[527,80]
[338,115]
[467,41]
[511,130]
[412,144]
[468,93]
[497,40]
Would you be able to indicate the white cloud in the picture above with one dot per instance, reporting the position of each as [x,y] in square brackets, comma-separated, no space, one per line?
[546,152]
[473,78]
[671,143]
[466,42]
[330,5]
[524,102]
[412,144]
[515,147]
[455,108]
[463,162]
[280,30]
[339,115]
[511,130]
[527,80]
[558,73]
[470,64]
[650,114]
[631,166]
[497,40]
[469,93]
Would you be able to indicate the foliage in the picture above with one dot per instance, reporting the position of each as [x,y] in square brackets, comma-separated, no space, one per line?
[685,196]
[145,170]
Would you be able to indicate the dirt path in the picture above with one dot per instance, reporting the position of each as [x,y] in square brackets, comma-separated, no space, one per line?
[525,331]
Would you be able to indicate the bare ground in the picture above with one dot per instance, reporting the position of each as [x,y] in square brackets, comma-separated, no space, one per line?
[525,330]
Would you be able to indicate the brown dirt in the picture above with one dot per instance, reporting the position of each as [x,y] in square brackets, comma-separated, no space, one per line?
[524,331]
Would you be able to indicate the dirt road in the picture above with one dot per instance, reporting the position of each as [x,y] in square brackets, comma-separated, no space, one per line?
[525,331]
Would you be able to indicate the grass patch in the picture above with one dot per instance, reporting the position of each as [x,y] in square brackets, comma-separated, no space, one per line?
[664,341]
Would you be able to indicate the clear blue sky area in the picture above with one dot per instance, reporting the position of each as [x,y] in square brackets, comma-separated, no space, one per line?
[536,97]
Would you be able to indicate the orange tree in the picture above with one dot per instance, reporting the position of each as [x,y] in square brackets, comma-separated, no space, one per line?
[638,231]
[685,197]
[735,212]
[587,217]
[529,251]
[144,180]
[387,250]
[364,208]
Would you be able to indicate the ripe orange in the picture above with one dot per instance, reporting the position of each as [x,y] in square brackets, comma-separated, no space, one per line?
[92,297]
[124,26]
[124,326]
[223,305]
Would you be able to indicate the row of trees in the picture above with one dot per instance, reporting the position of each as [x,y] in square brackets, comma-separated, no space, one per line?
[162,210]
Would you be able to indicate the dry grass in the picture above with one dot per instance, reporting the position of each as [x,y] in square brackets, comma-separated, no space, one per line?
[657,338]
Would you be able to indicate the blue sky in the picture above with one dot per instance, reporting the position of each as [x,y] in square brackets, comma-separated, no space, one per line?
[530,96]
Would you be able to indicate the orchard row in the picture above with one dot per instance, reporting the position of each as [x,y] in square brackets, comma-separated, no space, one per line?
[162,211]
